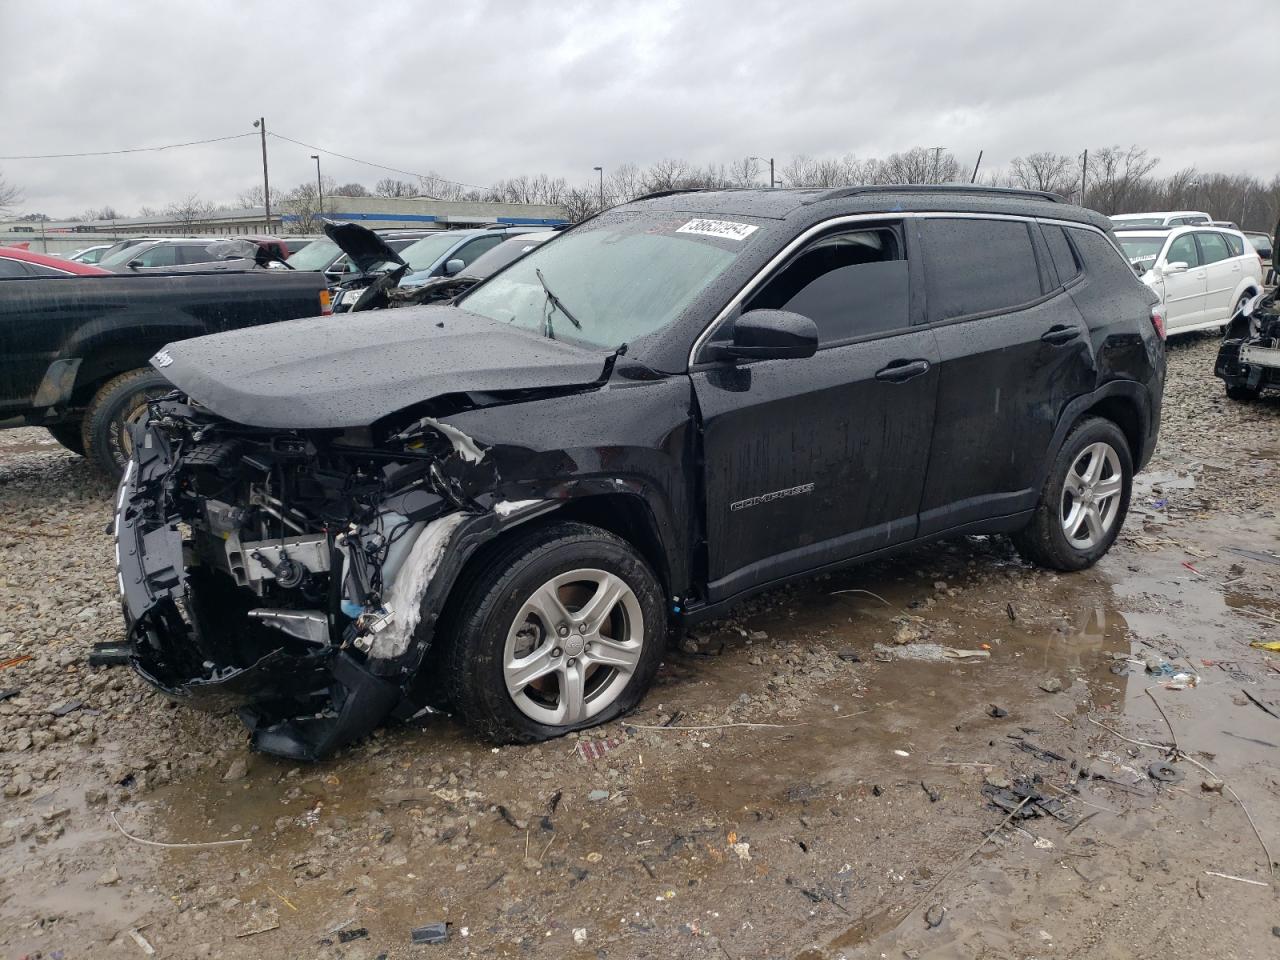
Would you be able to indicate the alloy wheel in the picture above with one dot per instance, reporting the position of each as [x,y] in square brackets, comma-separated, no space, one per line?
[1091,496]
[573,646]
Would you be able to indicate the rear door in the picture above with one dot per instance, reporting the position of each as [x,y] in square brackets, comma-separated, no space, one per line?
[1014,350]
[1222,273]
[816,460]
[1183,292]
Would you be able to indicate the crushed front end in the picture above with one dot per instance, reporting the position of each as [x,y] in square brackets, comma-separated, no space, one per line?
[260,569]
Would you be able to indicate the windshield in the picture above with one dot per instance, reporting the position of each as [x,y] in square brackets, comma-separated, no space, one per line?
[621,279]
[314,256]
[421,254]
[1141,251]
[1138,221]
[1260,243]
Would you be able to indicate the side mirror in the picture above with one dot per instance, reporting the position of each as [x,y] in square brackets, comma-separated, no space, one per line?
[134,264]
[453,266]
[1176,267]
[772,335]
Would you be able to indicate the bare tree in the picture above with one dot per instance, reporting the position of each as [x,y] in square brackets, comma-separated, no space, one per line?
[190,209]
[927,165]
[1119,179]
[394,189]
[347,190]
[253,197]
[743,172]
[10,195]
[145,211]
[102,213]
[1053,172]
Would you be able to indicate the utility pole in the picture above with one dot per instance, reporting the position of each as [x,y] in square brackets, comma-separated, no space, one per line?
[600,170]
[974,178]
[772,182]
[937,162]
[319,185]
[261,124]
[1084,177]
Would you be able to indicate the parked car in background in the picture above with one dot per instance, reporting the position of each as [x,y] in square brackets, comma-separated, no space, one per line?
[326,256]
[1265,246]
[512,501]
[90,254]
[297,244]
[1167,218]
[1249,359]
[1200,274]
[24,263]
[360,293]
[155,252]
[74,346]
[452,251]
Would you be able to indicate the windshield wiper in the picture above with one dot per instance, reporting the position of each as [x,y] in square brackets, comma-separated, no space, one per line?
[556,302]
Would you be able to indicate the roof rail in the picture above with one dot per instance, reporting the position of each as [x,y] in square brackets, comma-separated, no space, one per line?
[960,189]
[671,193]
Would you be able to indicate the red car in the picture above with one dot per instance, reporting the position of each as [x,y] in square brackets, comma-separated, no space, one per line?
[15,262]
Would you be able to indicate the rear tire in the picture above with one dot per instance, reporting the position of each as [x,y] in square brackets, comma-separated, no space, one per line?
[529,612]
[117,403]
[1081,511]
[1243,394]
[68,434]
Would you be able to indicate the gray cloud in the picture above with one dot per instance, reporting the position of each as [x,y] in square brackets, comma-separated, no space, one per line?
[499,89]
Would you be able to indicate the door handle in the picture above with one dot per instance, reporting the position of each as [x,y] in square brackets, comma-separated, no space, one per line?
[901,370]
[1059,334]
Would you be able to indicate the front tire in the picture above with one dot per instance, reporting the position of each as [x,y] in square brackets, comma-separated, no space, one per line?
[562,629]
[118,403]
[1084,499]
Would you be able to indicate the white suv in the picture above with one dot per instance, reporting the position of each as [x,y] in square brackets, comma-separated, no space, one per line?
[1200,273]
[1162,218]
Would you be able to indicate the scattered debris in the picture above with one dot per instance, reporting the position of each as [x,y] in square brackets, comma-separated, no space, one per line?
[431,933]
[901,753]
[142,942]
[1211,785]
[175,846]
[595,749]
[933,795]
[1013,617]
[110,654]
[1253,554]
[934,915]
[71,706]
[849,656]
[1227,876]
[997,712]
[1051,685]
[1272,645]
[347,936]
[14,661]
[264,922]
[11,692]
[931,652]
[1165,773]
[1040,753]
[1260,705]
[595,796]
[109,878]
[238,770]
[579,935]
[1024,800]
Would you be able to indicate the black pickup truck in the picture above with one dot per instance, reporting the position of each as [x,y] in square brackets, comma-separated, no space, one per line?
[74,351]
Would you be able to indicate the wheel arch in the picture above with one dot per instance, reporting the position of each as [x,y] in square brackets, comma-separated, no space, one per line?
[1124,403]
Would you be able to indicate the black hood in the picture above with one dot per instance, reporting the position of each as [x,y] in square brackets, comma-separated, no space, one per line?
[353,369]
[365,248]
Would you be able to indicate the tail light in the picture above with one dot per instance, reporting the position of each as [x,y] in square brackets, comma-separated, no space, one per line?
[1157,321]
[326,303]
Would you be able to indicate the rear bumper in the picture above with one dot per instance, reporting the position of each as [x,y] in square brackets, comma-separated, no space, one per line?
[192,637]
[1247,365]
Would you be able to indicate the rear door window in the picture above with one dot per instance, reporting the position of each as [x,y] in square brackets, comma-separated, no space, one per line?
[1212,247]
[1060,252]
[978,266]
[13,268]
[194,253]
[1234,244]
[161,255]
[850,284]
[1101,259]
[1183,250]
[472,250]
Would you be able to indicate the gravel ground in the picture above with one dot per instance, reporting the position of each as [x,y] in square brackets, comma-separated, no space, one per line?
[830,828]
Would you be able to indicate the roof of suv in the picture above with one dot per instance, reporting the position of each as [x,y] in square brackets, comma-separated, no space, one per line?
[784,204]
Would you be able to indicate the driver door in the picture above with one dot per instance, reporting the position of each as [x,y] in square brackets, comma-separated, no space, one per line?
[816,460]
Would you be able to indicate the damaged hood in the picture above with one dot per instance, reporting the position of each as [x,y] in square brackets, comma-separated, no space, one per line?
[353,369]
[364,247]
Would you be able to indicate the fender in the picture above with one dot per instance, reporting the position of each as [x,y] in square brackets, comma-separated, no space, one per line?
[1247,285]
[1127,390]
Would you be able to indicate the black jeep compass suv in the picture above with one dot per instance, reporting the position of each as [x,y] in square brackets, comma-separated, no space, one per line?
[506,503]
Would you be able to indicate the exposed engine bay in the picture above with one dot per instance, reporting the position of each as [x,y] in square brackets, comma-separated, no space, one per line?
[1249,358]
[283,573]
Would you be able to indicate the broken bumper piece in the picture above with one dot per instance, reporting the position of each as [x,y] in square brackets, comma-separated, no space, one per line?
[195,637]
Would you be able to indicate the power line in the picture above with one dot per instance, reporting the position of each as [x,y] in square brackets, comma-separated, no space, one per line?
[380,166]
[111,153]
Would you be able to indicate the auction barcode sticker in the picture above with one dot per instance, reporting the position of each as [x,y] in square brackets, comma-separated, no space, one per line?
[724,229]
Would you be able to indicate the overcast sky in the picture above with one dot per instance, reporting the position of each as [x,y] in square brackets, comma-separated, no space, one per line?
[482,90]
